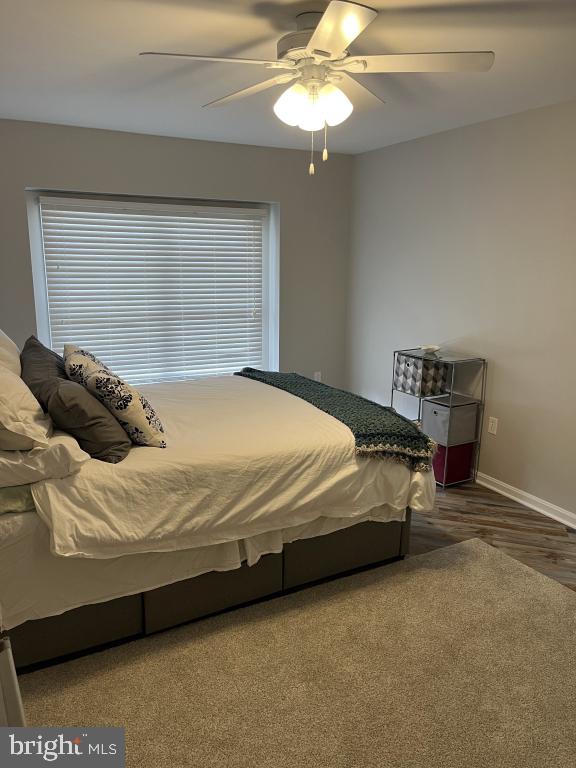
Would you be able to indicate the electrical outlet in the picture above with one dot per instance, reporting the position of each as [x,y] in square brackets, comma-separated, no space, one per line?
[492,425]
[317,375]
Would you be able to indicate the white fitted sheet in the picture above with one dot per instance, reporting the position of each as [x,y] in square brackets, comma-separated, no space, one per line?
[243,459]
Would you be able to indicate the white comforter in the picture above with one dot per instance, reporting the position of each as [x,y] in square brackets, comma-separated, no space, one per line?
[243,458]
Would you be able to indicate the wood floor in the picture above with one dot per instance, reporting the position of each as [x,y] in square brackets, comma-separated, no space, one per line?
[471,511]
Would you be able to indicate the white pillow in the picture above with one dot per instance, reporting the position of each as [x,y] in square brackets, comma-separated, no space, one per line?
[132,410]
[23,424]
[62,456]
[9,354]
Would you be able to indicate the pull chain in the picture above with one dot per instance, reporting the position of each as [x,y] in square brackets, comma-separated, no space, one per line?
[325,151]
[311,168]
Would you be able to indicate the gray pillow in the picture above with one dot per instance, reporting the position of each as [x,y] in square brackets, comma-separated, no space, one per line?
[42,370]
[71,407]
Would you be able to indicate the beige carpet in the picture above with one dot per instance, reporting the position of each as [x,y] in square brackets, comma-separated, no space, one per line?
[461,657]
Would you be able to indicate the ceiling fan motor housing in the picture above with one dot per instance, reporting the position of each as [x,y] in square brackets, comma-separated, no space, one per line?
[293,45]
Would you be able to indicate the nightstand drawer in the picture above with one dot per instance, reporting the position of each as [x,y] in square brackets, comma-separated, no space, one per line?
[449,426]
[422,378]
[454,465]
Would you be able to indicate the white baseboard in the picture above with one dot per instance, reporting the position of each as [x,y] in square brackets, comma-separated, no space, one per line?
[563,516]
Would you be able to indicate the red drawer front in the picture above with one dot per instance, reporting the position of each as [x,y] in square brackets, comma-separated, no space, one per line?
[456,460]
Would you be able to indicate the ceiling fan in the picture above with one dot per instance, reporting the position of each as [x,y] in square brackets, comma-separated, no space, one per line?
[315,58]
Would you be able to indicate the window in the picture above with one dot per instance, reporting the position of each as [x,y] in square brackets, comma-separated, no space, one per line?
[158,292]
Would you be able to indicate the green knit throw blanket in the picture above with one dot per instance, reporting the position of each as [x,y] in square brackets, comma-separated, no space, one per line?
[379,431]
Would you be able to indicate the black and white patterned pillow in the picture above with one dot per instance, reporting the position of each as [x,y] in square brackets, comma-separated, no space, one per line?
[81,364]
[132,410]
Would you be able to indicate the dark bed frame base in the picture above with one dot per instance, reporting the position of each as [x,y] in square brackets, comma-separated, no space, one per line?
[303,562]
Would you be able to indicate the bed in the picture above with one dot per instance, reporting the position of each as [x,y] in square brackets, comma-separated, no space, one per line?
[257,492]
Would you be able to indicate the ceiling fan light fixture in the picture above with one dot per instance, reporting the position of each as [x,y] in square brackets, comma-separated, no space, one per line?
[311,109]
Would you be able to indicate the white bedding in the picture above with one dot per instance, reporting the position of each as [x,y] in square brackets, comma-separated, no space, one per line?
[34,583]
[243,459]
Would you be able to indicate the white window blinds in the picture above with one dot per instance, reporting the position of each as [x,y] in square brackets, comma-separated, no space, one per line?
[158,292]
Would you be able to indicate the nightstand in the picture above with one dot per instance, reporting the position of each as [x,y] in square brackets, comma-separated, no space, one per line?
[450,388]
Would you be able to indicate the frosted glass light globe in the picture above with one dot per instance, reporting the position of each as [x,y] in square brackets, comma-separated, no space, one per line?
[292,104]
[335,105]
[312,116]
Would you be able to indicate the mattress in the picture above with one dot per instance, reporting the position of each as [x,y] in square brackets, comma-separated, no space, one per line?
[243,459]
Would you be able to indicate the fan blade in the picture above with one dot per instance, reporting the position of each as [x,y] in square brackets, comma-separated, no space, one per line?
[226,59]
[467,61]
[340,25]
[358,93]
[252,90]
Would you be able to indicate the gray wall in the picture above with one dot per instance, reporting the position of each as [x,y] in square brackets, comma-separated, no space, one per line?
[468,239]
[314,217]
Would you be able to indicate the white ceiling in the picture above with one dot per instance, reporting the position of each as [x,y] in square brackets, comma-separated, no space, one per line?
[75,62]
